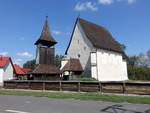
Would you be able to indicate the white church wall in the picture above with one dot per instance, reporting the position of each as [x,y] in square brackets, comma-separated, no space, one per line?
[110,66]
[93,65]
[80,48]
[124,64]
[63,62]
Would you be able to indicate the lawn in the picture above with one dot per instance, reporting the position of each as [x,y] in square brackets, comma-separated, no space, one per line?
[81,96]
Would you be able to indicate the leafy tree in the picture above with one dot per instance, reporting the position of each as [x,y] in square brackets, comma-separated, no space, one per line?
[139,67]
[57,60]
[133,60]
[29,64]
[144,59]
[148,53]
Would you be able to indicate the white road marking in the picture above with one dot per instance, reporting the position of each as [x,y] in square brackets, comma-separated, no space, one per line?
[14,111]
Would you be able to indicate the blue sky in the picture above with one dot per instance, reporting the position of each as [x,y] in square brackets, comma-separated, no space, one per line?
[21,22]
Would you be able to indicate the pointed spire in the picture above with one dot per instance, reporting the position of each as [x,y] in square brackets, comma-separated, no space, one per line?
[46,38]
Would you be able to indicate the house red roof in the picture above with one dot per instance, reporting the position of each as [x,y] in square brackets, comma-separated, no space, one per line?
[4,61]
[21,71]
[18,69]
[26,70]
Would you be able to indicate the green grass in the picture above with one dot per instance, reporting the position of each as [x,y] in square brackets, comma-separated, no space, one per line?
[81,96]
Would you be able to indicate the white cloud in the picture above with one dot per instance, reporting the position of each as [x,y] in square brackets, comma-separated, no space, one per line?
[25,54]
[106,2]
[56,32]
[131,1]
[18,61]
[86,5]
[3,53]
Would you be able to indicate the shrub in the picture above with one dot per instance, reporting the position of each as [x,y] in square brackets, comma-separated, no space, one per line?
[84,79]
[138,73]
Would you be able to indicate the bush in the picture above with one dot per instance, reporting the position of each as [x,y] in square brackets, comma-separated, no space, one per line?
[84,79]
[138,73]
[22,78]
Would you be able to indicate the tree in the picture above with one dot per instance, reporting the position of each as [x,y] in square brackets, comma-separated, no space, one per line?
[139,67]
[57,60]
[144,59]
[133,60]
[29,64]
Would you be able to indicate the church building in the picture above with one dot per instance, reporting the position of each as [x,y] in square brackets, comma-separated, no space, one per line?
[95,52]
[45,52]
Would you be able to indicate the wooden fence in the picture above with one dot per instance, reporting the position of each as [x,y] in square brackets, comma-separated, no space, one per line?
[107,87]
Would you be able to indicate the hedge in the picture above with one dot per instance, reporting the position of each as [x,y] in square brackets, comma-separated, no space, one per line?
[138,73]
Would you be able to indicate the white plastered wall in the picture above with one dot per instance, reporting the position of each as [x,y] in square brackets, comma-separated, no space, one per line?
[81,46]
[8,72]
[1,75]
[109,66]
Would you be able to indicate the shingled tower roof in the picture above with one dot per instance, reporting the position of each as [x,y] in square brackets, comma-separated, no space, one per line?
[46,38]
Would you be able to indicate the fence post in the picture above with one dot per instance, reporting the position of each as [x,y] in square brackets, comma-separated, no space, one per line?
[124,87]
[100,87]
[79,87]
[43,85]
[16,85]
[29,84]
[60,86]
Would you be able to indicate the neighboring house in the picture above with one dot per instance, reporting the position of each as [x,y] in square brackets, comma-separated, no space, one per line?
[100,55]
[6,69]
[22,73]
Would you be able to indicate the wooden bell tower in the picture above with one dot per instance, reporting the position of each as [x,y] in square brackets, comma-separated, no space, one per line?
[45,52]
[45,46]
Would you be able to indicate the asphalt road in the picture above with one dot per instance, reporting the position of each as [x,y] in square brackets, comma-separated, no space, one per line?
[23,104]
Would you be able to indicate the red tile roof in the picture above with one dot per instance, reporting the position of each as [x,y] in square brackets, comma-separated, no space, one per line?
[21,71]
[26,70]
[18,69]
[4,61]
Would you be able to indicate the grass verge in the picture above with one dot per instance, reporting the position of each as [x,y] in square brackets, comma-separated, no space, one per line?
[81,96]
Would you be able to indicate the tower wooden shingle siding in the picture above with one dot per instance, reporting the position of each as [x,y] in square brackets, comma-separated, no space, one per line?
[46,55]
[45,69]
